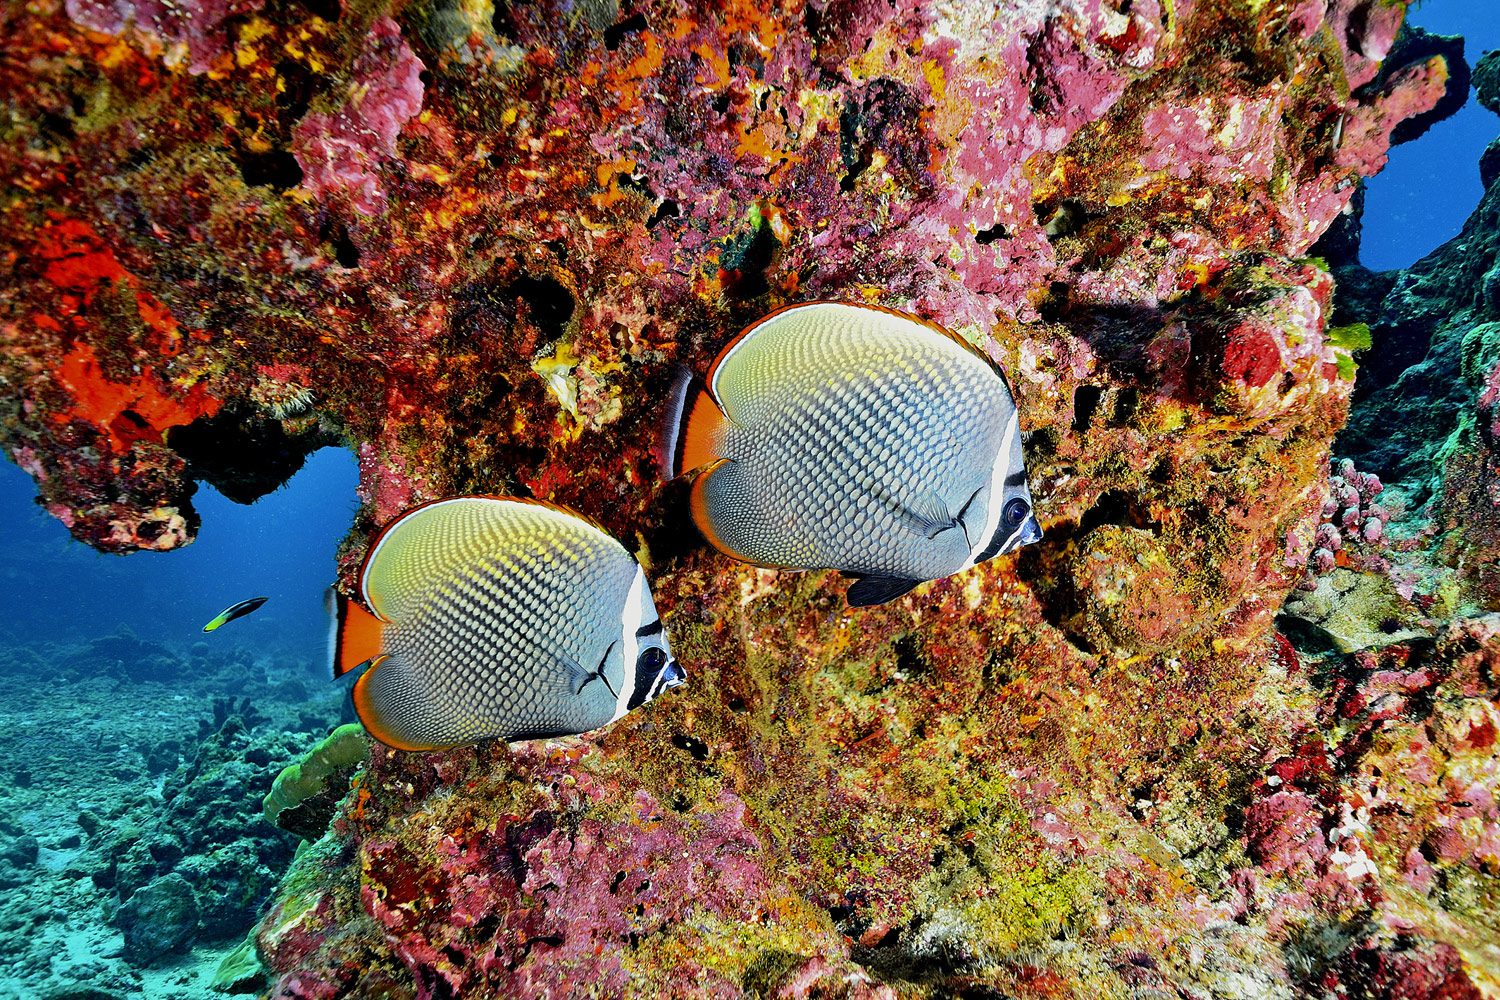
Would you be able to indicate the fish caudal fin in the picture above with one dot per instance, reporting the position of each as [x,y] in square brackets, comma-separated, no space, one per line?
[354,636]
[669,441]
[871,590]
[694,420]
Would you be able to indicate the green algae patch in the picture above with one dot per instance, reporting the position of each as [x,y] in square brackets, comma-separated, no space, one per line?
[1029,907]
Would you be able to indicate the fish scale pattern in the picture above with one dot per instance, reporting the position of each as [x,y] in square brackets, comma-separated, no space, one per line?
[491,602]
[841,434]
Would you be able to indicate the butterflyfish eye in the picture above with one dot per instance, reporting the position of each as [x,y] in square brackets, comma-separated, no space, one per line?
[651,659]
[1016,510]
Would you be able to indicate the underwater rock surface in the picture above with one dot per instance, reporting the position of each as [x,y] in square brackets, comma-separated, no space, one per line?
[472,239]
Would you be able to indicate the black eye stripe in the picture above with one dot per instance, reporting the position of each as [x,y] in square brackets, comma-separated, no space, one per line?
[650,628]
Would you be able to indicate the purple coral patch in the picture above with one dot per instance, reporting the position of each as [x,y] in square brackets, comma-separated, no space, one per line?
[342,152]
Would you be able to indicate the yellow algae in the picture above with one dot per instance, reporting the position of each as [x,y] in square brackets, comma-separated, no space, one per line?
[557,372]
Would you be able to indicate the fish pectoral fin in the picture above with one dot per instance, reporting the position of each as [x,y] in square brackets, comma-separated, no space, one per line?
[871,590]
[931,513]
[579,678]
[926,513]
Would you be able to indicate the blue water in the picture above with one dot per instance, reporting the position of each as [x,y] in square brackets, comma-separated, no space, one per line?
[280,547]
[1422,197]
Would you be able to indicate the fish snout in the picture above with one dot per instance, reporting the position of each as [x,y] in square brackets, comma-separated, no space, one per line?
[1031,531]
[672,675]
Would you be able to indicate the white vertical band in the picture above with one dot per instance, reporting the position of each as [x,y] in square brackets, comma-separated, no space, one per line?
[630,621]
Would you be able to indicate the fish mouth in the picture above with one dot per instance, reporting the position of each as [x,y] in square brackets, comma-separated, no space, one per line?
[672,676]
[1025,533]
[669,677]
[1031,531]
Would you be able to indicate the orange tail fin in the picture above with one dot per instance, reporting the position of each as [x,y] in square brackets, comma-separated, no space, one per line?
[355,635]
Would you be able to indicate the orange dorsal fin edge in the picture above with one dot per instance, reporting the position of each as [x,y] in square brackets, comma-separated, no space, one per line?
[356,636]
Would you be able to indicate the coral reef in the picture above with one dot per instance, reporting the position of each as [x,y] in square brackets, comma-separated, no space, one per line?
[116,791]
[472,240]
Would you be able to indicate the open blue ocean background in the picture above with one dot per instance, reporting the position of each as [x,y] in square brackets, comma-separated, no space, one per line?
[280,547]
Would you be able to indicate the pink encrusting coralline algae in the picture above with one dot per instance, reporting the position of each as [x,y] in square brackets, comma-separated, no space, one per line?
[341,151]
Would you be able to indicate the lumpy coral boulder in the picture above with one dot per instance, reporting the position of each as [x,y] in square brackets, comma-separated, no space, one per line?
[471,240]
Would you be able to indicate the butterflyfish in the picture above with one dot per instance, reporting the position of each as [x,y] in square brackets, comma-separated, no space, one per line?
[498,617]
[849,437]
[234,611]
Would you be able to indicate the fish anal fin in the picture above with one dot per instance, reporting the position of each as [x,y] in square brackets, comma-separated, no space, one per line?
[369,711]
[868,591]
[700,434]
[702,517]
[356,635]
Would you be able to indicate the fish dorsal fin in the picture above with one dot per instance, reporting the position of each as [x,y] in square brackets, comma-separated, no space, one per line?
[730,380]
[872,590]
[402,559]
[699,438]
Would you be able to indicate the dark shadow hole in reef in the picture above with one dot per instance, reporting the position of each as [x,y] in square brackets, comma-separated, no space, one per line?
[549,303]
[856,156]
[911,658]
[666,210]
[743,263]
[336,234]
[637,184]
[1085,404]
[987,236]
[434,984]
[278,169]
[328,10]
[500,20]
[57,127]
[298,85]
[617,31]
[1127,401]
[1119,508]
[242,454]
[1055,306]
[694,746]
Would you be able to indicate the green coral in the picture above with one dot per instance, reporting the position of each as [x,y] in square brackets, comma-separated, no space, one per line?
[240,971]
[302,796]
